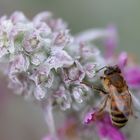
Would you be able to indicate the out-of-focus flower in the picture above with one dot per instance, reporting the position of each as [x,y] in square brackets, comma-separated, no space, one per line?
[18,17]
[111,42]
[48,138]
[90,117]
[90,54]
[107,131]
[103,126]
[122,60]
[6,39]
[69,130]
[47,17]
[132,76]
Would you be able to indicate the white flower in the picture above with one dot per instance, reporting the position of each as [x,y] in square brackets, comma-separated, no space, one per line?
[47,17]
[62,38]
[42,17]
[18,17]
[19,63]
[80,93]
[90,69]
[59,58]
[6,38]
[73,74]
[43,29]
[77,94]
[38,58]
[32,41]
[63,98]
[43,77]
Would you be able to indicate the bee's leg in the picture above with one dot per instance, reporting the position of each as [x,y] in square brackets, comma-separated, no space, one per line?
[101,108]
[100,90]
[95,87]
[103,103]
[102,77]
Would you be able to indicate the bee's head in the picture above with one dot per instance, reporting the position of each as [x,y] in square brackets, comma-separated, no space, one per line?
[111,70]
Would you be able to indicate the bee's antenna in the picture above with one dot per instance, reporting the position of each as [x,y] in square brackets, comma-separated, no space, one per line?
[101,69]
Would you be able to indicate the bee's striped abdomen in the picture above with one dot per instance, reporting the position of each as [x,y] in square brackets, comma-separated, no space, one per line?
[118,118]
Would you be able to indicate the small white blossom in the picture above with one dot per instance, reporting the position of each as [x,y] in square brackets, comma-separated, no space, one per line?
[80,93]
[18,17]
[19,63]
[43,77]
[73,74]
[90,69]
[38,58]
[59,58]
[32,41]
[6,38]
[62,38]
[63,98]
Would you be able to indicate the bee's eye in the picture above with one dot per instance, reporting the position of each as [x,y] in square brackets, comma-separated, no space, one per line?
[106,72]
[117,69]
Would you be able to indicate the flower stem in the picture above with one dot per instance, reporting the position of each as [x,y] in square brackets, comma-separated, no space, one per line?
[48,113]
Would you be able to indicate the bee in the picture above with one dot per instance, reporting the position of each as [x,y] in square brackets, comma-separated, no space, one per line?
[118,98]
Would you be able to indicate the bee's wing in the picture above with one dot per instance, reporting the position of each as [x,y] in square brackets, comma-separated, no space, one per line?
[122,100]
[135,103]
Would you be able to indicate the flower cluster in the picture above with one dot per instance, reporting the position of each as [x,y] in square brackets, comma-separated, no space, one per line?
[44,60]
[45,63]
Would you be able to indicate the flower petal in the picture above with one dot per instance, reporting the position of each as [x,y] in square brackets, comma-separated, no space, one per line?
[18,64]
[122,60]
[132,76]
[59,58]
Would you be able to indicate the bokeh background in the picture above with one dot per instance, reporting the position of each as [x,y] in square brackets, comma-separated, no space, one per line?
[21,120]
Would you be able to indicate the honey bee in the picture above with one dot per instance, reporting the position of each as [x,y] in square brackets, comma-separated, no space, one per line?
[118,98]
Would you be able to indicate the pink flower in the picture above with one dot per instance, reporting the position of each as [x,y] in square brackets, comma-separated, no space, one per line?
[122,60]
[111,41]
[103,126]
[105,130]
[132,76]
[90,117]
[48,137]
